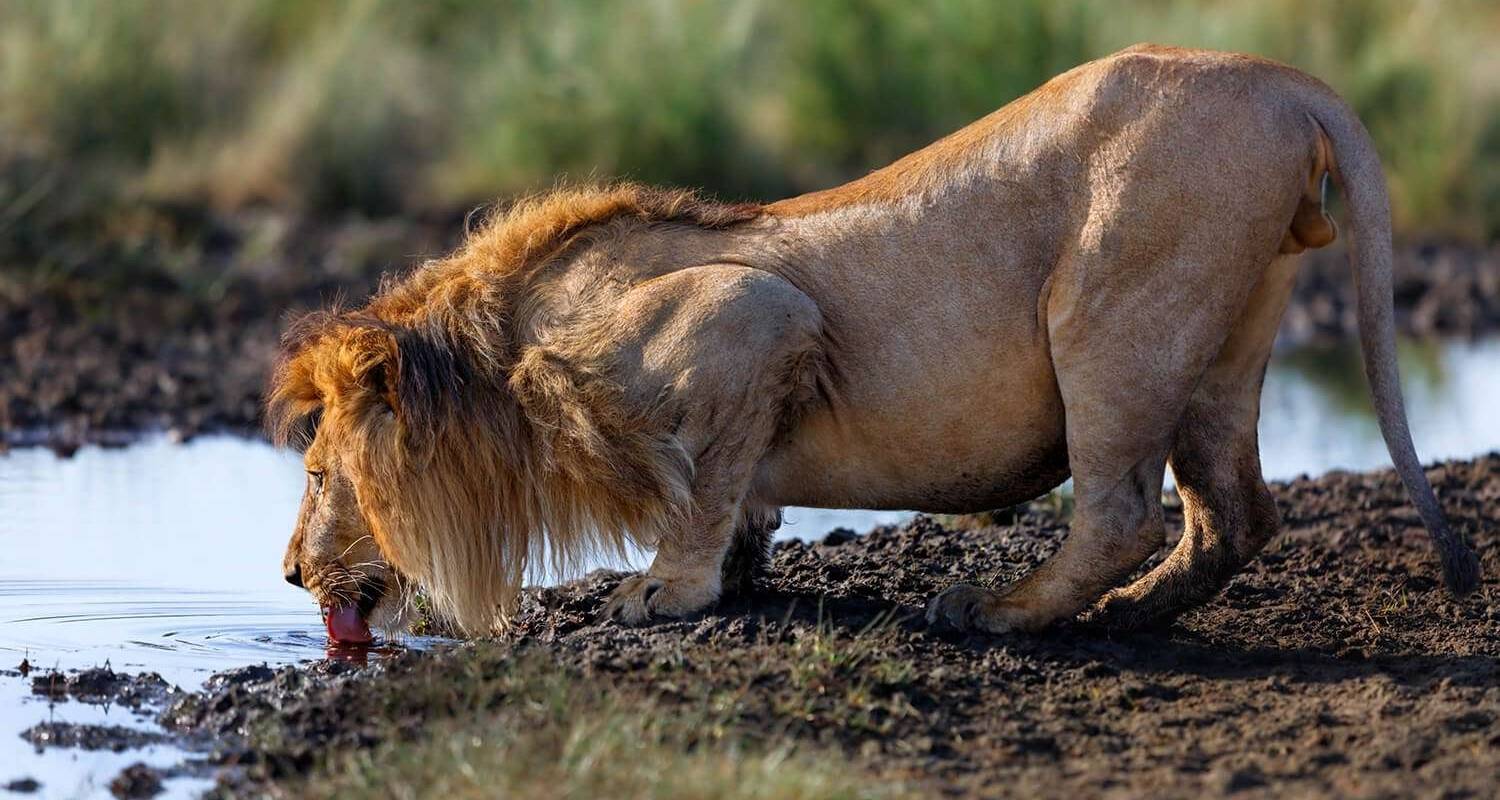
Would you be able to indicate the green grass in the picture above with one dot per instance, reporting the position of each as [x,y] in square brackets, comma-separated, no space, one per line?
[565,741]
[384,107]
[527,727]
[844,678]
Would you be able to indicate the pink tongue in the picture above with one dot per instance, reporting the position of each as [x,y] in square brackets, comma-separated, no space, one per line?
[346,626]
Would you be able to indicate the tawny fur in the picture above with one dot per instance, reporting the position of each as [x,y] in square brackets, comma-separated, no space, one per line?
[505,453]
[1087,282]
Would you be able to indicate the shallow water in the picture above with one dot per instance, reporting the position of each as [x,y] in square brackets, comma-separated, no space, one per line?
[166,557]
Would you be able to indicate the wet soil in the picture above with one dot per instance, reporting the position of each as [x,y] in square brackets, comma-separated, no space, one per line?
[89,737]
[137,780]
[171,324]
[1333,665]
[104,685]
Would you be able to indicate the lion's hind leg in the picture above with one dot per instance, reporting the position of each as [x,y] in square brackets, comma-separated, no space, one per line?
[1228,512]
[1128,355]
[1120,411]
[750,552]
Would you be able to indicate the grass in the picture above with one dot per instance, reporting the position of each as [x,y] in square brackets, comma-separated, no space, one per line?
[560,738]
[380,107]
[501,725]
[844,678]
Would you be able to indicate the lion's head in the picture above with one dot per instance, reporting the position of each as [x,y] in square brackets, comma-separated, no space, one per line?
[406,483]
[334,400]
[446,453]
[334,556]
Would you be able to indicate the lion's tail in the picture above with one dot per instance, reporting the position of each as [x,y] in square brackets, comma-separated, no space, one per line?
[1356,168]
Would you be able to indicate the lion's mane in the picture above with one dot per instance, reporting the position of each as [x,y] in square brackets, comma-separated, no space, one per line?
[474,452]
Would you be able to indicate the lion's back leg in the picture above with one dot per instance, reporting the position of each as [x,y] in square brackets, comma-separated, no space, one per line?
[1229,514]
[750,551]
[728,348]
[1128,353]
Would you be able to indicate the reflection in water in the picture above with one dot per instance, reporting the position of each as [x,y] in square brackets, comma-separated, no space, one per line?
[1316,413]
[1337,373]
[167,558]
[66,772]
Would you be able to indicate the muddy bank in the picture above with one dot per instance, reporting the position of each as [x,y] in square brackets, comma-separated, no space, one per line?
[171,325]
[1333,665]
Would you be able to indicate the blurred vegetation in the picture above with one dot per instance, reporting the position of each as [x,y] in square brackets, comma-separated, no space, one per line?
[382,107]
[1336,371]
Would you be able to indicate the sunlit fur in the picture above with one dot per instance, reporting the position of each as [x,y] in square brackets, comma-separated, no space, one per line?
[1086,283]
[475,453]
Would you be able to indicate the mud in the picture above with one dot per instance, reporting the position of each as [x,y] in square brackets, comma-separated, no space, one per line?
[173,327]
[89,737]
[146,695]
[1333,665]
[102,685]
[137,780]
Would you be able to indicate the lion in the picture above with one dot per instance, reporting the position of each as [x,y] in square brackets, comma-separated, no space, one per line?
[1085,283]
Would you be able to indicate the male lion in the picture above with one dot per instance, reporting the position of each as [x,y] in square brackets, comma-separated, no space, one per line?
[1086,282]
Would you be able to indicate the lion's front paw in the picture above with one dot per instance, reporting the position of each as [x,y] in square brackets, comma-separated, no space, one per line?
[965,608]
[640,597]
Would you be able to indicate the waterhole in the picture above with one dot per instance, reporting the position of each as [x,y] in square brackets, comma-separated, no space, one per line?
[166,557]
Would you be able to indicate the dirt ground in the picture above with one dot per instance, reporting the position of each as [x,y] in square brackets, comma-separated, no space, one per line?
[1335,665]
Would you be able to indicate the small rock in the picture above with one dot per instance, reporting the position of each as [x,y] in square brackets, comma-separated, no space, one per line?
[1242,779]
[257,673]
[839,536]
[23,785]
[136,780]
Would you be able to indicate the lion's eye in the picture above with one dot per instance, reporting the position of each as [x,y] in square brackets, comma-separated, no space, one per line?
[315,480]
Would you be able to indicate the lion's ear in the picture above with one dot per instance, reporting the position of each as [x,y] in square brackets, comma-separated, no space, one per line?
[374,362]
[293,403]
[409,371]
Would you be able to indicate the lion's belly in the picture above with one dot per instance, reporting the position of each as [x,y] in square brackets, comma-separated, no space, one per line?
[983,429]
[940,394]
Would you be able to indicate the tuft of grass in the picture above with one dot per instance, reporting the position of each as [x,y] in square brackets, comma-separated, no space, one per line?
[846,678]
[551,735]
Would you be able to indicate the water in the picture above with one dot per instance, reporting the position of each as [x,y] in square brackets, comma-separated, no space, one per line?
[167,557]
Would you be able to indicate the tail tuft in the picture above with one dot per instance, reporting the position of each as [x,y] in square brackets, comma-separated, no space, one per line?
[1460,565]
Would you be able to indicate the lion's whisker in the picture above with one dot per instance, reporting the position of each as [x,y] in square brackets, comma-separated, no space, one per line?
[353,544]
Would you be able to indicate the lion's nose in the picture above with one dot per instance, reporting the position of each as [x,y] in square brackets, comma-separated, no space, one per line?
[295,576]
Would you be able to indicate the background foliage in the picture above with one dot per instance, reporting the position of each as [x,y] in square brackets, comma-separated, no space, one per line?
[382,107]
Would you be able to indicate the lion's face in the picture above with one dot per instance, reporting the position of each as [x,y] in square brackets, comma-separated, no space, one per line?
[333,554]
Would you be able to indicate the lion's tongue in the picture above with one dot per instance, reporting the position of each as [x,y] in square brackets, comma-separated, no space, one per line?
[346,626]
